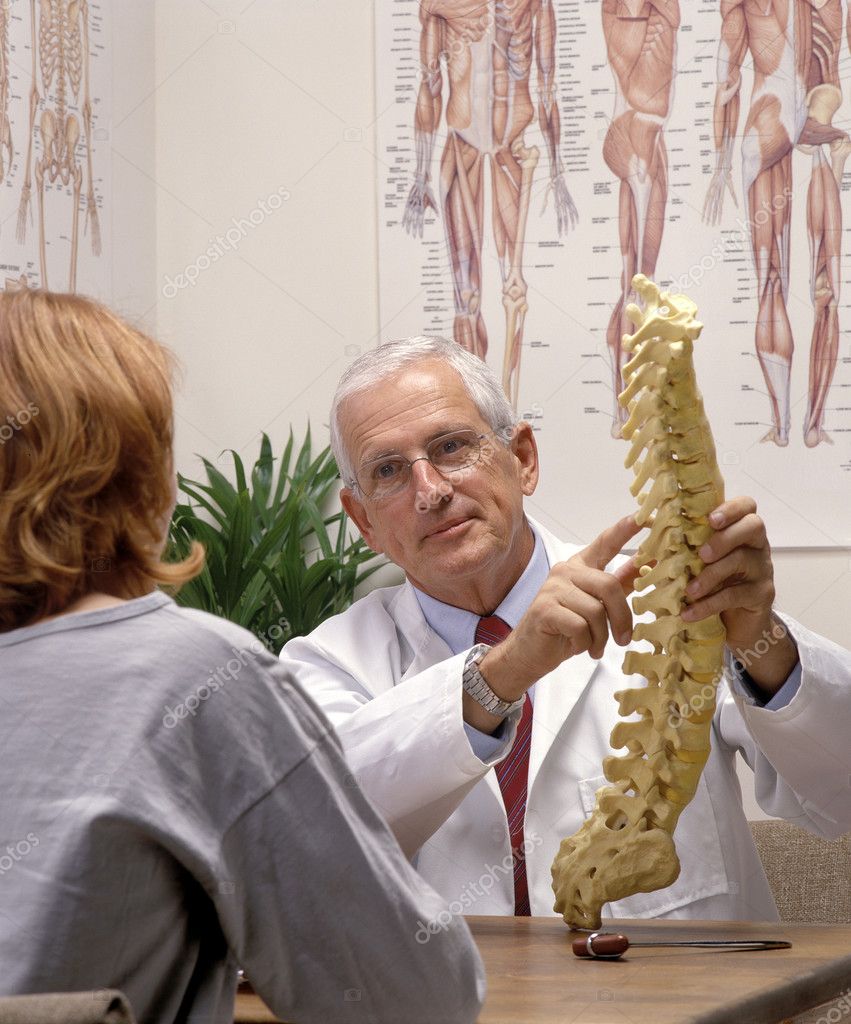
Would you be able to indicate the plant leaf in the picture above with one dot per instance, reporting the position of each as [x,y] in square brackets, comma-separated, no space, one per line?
[277,562]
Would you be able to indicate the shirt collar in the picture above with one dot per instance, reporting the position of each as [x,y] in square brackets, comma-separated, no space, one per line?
[457,626]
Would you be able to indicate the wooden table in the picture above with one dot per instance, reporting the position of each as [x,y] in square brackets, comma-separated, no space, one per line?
[534,978]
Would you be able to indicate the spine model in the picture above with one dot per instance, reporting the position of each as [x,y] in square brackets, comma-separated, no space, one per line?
[626,845]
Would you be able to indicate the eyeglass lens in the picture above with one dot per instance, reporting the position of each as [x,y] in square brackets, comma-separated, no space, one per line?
[448,453]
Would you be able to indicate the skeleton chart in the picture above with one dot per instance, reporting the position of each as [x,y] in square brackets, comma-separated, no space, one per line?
[55,85]
[534,156]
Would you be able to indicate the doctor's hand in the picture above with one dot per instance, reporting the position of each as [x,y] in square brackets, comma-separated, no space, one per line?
[575,610]
[738,584]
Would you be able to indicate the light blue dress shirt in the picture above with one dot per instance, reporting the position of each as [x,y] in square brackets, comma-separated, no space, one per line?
[457,628]
[780,699]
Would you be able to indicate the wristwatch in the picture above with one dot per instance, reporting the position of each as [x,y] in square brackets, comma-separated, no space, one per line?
[476,685]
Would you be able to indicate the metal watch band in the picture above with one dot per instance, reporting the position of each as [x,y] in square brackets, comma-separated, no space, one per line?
[476,685]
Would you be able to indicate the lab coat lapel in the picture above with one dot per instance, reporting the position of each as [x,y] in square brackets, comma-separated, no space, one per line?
[428,649]
[556,696]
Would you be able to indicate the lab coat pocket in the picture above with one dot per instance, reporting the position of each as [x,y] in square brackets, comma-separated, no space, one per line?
[698,844]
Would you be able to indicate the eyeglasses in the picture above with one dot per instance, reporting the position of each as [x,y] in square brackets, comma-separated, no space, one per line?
[450,453]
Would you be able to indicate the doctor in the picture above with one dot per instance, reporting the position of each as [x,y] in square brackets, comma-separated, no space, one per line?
[475,701]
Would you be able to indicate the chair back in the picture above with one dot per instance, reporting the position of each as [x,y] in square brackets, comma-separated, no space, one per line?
[100,1007]
[811,881]
[809,877]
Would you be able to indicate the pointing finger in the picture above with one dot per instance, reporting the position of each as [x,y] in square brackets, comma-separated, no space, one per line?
[603,549]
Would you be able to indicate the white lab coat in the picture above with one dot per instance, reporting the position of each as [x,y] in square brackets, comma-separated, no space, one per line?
[393,690]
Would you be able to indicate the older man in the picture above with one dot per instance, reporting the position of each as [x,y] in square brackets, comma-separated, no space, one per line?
[484,754]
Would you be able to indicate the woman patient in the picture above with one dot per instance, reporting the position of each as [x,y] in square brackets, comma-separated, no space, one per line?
[156,830]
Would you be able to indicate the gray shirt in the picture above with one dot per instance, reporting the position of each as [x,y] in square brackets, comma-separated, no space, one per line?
[172,804]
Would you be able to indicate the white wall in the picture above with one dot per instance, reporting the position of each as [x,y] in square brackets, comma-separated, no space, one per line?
[253,97]
[250,103]
[132,143]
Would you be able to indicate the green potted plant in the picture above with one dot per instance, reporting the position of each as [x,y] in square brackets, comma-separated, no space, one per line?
[276,564]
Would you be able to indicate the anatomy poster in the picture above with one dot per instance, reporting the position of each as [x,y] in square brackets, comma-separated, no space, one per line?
[55,91]
[535,155]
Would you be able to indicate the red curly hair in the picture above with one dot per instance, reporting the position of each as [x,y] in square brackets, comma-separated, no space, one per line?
[86,473]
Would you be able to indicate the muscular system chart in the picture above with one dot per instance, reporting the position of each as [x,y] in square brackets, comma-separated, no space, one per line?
[535,155]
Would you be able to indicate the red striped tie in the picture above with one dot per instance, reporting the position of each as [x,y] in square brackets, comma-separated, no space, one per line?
[513,773]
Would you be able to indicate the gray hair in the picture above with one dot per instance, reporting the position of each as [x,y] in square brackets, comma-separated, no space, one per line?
[481,383]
